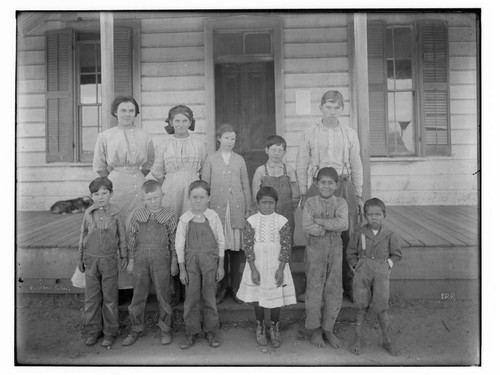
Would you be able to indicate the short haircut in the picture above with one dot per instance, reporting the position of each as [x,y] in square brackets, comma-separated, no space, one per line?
[123,99]
[150,186]
[333,96]
[100,182]
[374,202]
[275,140]
[224,128]
[267,191]
[328,171]
[199,184]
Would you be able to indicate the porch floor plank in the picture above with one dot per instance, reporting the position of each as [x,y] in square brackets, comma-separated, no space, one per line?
[418,226]
[37,225]
[424,235]
[464,218]
[449,225]
[69,228]
[420,217]
[52,236]
[404,232]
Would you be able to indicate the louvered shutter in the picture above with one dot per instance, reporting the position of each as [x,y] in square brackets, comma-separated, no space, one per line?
[377,83]
[123,61]
[59,97]
[433,40]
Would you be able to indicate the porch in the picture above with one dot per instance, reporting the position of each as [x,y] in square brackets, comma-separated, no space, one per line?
[440,252]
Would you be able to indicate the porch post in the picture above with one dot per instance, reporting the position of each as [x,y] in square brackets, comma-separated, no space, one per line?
[107,69]
[361,97]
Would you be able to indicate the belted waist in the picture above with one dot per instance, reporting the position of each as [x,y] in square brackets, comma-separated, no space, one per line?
[362,255]
[206,250]
[128,169]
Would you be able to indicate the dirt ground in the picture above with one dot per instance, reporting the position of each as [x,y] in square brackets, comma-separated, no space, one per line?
[49,331]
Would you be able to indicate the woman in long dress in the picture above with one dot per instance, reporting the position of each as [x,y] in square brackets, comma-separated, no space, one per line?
[179,159]
[124,154]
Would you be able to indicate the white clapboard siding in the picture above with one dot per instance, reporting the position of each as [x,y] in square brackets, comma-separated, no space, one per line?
[173,69]
[315,59]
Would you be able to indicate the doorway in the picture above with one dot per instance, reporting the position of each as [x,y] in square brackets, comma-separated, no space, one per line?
[245,98]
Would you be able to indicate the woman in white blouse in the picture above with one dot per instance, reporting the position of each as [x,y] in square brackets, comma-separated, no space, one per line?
[125,154]
[179,159]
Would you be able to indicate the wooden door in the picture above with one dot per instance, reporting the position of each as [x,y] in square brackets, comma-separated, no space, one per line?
[244,95]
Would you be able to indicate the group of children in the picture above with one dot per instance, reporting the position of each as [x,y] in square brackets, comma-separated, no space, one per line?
[156,245]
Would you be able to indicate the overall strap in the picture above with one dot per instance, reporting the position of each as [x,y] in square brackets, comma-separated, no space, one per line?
[345,165]
[265,169]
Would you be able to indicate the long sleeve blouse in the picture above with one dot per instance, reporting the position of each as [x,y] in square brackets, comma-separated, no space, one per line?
[123,147]
[330,147]
[267,228]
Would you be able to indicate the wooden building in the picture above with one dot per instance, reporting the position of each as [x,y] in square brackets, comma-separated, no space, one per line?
[409,80]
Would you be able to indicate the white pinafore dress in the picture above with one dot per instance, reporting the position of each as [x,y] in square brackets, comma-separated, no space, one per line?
[267,250]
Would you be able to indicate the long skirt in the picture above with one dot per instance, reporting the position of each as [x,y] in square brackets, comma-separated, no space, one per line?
[176,190]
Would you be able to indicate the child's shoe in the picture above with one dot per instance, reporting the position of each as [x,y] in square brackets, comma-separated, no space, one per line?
[166,338]
[260,334]
[108,341]
[190,340]
[274,331]
[92,338]
[131,338]
[212,339]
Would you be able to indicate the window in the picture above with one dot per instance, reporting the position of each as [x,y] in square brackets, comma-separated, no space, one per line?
[408,89]
[242,43]
[74,90]
[88,52]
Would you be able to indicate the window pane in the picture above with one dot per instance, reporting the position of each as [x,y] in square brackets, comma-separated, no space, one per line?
[87,58]
[228,44]
[402,43]
[258,43]
[88,89]
[403,75]
[89,116]
[391,84]
[401,124]
[99,89]
[89,121]
[89,138]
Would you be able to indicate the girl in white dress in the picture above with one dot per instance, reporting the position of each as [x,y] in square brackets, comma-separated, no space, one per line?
[267,280]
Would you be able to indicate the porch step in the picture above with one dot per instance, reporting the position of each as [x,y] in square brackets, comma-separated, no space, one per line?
[229,311]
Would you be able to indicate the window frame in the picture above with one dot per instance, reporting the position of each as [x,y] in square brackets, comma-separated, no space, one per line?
[91,26]
[419,111]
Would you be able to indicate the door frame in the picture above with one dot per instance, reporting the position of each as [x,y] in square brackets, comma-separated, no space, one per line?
[243,22]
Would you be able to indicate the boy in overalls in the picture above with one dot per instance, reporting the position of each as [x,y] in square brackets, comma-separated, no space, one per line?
[102,239]
[151,243]
[280,176]
[199,243]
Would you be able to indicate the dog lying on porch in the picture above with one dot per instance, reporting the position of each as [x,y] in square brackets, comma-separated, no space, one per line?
[71,206]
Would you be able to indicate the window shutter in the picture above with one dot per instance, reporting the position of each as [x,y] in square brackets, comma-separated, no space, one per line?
[377,83]
[123,61]
[59,96]
[433,40]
